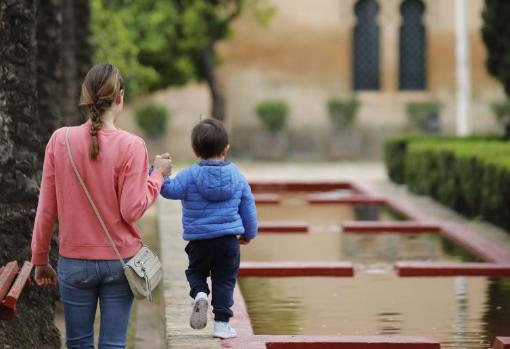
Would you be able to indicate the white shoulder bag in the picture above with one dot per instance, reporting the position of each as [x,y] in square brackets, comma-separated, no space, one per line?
[143,271]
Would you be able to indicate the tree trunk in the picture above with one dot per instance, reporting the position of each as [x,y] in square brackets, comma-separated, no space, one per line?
[69,88]
[20,166]
[49,37]
[208,66]
[83,54]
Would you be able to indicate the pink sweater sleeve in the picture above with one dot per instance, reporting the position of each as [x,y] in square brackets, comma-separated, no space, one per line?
[138,190]
[46,215]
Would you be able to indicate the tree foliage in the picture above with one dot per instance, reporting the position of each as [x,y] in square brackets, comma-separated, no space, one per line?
[496,34]
[160,43]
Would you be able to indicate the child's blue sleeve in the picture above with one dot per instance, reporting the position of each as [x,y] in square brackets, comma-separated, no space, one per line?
[248,213]
[175,188]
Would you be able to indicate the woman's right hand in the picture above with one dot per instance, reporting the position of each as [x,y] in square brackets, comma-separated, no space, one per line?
[163,163]
[45,276]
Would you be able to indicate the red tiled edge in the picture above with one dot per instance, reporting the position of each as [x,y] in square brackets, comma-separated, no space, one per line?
[502,343]
[463,235]
[349,342]
[357,199]
[283,227]
[452,269]
[8,275]
[333,342]
[293,269]
[389,227]
[267,199]
[8,305]
[258,186]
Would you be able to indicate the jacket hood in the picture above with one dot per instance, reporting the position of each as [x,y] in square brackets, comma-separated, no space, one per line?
[215,180]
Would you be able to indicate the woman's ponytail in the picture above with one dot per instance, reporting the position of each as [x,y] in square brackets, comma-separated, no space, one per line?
[101,86]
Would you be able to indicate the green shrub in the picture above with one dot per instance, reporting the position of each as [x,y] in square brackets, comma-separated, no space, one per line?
[470,175]
[342,112]
[152,119]
[420,113]
[273,114]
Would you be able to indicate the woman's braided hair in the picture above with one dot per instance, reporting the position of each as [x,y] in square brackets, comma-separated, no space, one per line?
[102,85]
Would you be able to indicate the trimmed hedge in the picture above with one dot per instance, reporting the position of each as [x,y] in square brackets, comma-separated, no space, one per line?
[470,175]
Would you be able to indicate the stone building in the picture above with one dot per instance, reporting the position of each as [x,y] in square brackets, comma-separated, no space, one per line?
[389,52]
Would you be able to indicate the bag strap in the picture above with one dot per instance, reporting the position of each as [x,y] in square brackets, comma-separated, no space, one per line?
[89,197]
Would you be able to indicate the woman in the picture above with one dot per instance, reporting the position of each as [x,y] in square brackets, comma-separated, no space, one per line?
[113,164]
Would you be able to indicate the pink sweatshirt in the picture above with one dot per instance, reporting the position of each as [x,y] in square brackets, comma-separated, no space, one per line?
[118,182]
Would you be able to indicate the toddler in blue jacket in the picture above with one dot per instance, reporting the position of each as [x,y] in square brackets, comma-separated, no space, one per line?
[218,214]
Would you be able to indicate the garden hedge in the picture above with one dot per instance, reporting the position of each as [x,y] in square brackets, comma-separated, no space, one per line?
[471,175]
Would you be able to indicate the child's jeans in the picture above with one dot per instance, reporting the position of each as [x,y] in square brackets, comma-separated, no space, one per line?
[82,282]
[218,258]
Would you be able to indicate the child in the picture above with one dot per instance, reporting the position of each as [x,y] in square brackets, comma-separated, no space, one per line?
[217,206]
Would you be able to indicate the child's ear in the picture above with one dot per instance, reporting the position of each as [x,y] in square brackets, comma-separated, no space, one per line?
[225,150]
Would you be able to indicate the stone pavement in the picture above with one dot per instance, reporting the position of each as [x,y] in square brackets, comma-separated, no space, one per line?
[179,334]
[177,302]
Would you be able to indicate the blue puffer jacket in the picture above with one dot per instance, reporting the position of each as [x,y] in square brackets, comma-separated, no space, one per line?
[216,201]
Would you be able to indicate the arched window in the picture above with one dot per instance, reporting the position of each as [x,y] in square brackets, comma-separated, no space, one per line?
[412,46]
[366,46]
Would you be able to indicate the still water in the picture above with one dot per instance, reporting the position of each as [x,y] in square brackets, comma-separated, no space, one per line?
[459,312]
[367,249]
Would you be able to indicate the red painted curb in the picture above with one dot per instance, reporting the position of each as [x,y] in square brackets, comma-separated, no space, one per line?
[283,227]
[295,269]
[332,342]
[461,234]
[502,343]
[267,199]
[389,227]
[451,269]
[350,342]
[8,275]
[259,187]
[357,199]
[8,306]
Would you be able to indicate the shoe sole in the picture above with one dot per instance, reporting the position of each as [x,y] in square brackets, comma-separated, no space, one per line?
[224,336]
[198,319]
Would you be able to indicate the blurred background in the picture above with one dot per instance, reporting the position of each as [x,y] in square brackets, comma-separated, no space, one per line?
[420,84]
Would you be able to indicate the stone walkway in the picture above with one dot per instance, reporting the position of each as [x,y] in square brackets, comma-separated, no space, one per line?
[177,302]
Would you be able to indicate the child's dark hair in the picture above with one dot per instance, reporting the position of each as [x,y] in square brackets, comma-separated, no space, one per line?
[209,138]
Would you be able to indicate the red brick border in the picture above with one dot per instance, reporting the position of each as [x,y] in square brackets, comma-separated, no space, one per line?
[294,269]
[452,269]
[389,227]
[283,227]
[272,187]
[502,343]
[357,199]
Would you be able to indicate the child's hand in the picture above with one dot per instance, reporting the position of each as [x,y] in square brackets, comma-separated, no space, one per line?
[243,241]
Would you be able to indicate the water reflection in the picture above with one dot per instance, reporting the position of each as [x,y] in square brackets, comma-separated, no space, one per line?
[459,312]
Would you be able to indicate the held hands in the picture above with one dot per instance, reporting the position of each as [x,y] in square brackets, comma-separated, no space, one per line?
[163,163]
[45,276]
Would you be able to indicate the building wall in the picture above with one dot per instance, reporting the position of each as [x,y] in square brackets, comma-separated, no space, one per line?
[305,57]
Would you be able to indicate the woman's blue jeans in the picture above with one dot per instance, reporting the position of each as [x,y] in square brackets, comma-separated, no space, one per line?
[82,283]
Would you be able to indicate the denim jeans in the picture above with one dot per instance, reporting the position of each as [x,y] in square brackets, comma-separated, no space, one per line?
[219,258]
[82,283]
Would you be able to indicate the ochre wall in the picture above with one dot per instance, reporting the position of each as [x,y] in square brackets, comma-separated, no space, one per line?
[305,57]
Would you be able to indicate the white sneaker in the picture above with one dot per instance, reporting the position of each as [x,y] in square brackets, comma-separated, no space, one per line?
[223,330]
[198,318]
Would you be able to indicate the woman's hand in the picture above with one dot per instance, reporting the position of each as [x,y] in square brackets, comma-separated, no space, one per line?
[45,276]
[163,163]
